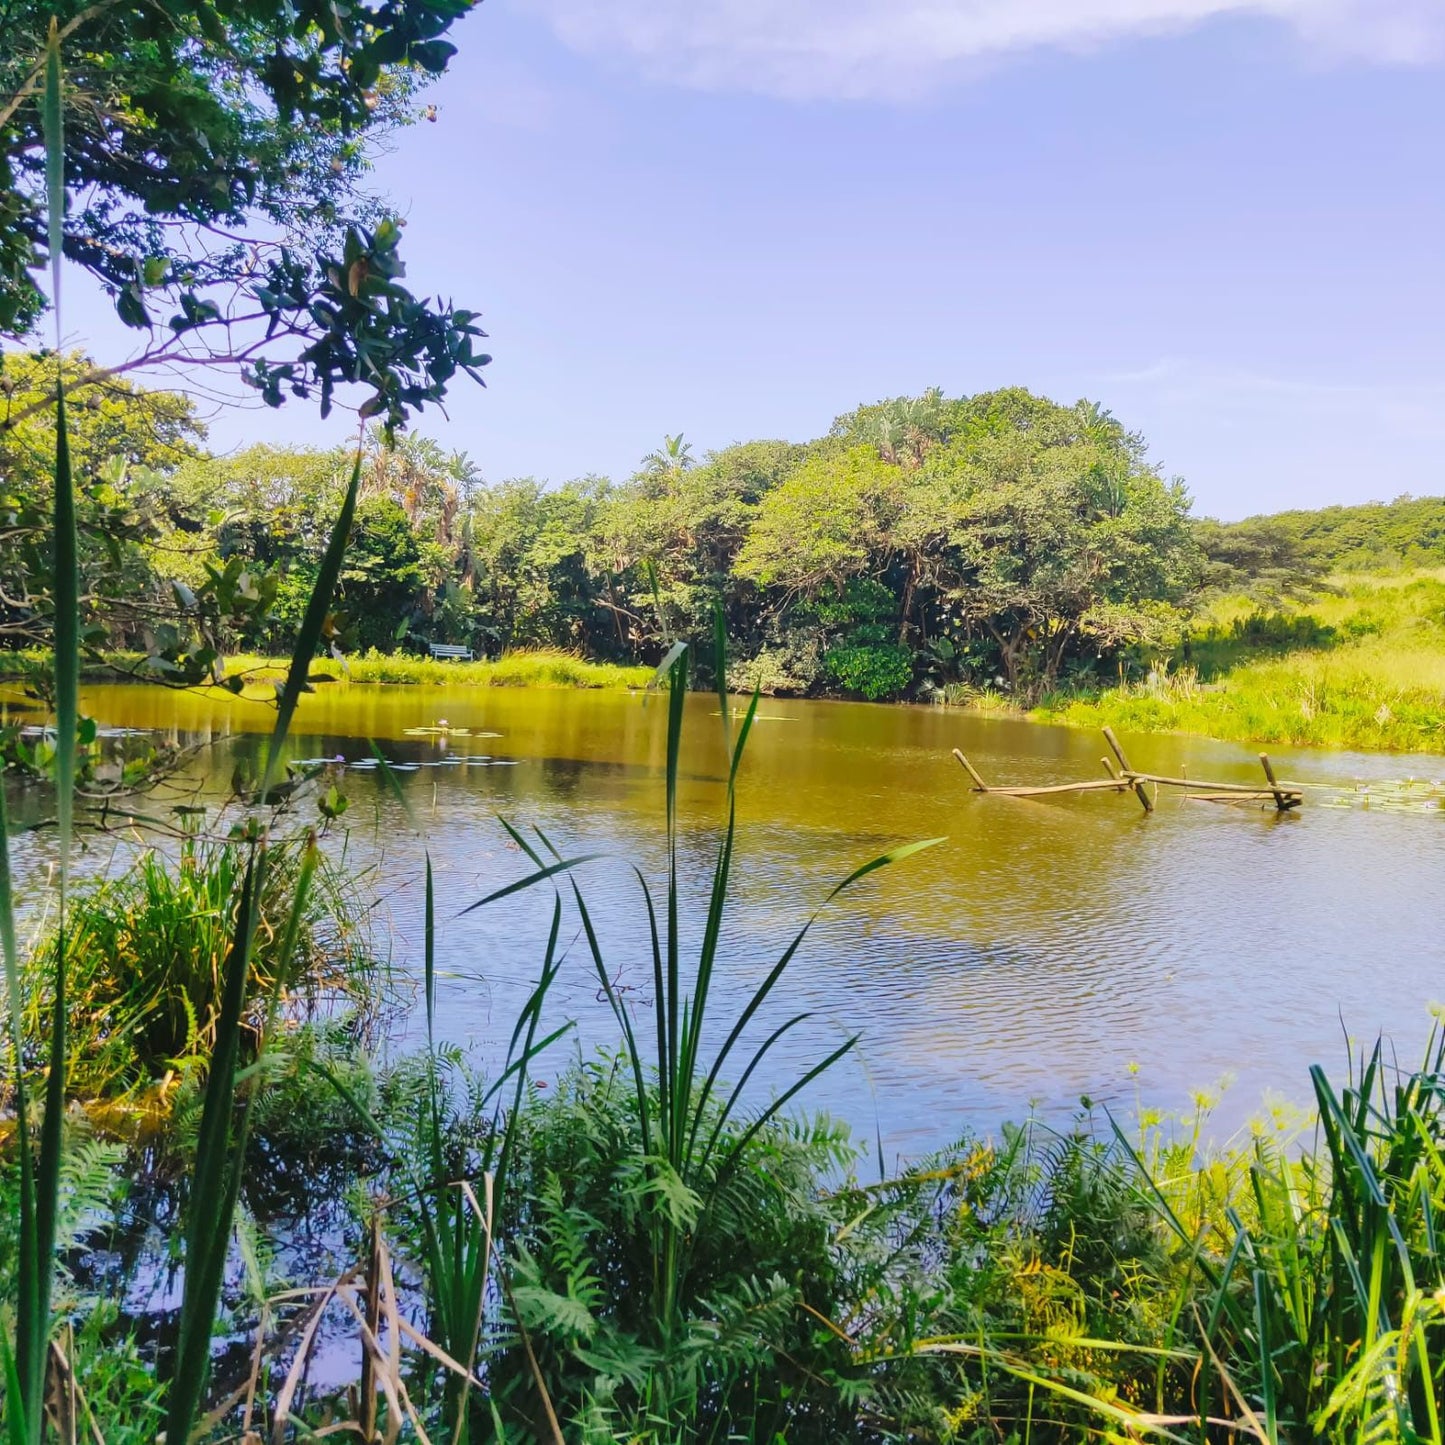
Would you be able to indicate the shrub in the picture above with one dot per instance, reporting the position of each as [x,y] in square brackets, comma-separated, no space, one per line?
[775,672]
[748,1354]
[1281,630]
[875,671]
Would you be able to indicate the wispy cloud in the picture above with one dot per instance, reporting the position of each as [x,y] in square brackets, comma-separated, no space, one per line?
[1408,410]
[892,48]
[1251,441]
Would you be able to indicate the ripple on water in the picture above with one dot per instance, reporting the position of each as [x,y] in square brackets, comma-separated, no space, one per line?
[1037,955]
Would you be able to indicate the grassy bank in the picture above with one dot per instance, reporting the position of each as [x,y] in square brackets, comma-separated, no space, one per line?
[1359,666]
[543,668]
[515,669]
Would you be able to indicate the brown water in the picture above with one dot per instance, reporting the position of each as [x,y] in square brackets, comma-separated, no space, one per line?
[1045,951]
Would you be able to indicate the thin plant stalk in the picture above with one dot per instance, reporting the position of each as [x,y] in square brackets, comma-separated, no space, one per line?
[220,1150]
[40,1178]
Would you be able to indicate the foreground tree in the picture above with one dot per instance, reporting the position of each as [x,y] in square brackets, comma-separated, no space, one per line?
[218,154]
[215,156]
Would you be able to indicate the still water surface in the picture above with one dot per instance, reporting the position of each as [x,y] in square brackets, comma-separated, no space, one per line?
[1047,950]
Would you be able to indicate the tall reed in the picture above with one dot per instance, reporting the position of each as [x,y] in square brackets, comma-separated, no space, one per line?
[690,1079]
[215,1183]
[40,1176]
[215,1179]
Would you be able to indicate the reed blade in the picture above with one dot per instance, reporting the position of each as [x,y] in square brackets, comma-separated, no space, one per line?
[40,1177]
[429,955]
[530,881]
[313,623]
[215,1182]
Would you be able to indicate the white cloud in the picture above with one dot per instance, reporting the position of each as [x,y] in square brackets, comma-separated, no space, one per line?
[894,48]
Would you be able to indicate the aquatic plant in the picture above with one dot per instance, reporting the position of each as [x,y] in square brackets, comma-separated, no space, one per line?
[145,951]
[1319,1271]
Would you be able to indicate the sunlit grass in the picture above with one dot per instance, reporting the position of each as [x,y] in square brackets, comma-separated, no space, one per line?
[1375,680]
[515,669]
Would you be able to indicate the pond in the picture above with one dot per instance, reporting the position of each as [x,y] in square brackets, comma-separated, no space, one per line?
[1045,951]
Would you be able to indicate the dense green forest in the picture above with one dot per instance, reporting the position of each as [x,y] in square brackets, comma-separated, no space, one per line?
[998,540]
[921,540]
[1297,545]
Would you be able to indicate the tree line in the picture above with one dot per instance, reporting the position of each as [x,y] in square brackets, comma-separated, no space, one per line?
[999,539]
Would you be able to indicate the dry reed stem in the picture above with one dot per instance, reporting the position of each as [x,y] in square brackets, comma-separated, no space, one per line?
[1252,1420]
[60,1394]
[298,1365]
[247,1434]
[553,1424]
[366,1403]
[387,1377]
[485,1218]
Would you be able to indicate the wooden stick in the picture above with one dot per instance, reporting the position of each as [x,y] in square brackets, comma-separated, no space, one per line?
[1263,795]
[1091,785]
[1288,789]
[1121,777]
[979,786]
[1139,790]
[1275,788]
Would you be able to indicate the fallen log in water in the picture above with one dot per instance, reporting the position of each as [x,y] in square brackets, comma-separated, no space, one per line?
[1099,785]
[1123,778]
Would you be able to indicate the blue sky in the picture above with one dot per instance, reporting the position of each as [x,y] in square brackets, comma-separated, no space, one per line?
[1222,219]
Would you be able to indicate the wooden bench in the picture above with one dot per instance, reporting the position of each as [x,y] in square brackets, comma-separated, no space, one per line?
[457,653]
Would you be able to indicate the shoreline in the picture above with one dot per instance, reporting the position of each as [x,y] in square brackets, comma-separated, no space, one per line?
[1333,700]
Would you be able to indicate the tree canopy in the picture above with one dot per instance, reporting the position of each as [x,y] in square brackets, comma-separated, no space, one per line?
[1290,551]
[1000,539]
[216,156]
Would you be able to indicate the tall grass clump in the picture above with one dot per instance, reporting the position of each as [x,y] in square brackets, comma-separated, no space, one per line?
[145,957]
[1316,1275]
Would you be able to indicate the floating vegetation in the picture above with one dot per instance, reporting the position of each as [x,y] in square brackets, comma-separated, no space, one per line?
[1390,795]
[30,730]
[309,767]
[446,730]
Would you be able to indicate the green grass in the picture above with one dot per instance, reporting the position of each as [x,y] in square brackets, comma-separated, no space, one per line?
[543,668]
[1370,676]
[516,669]
[144,955]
